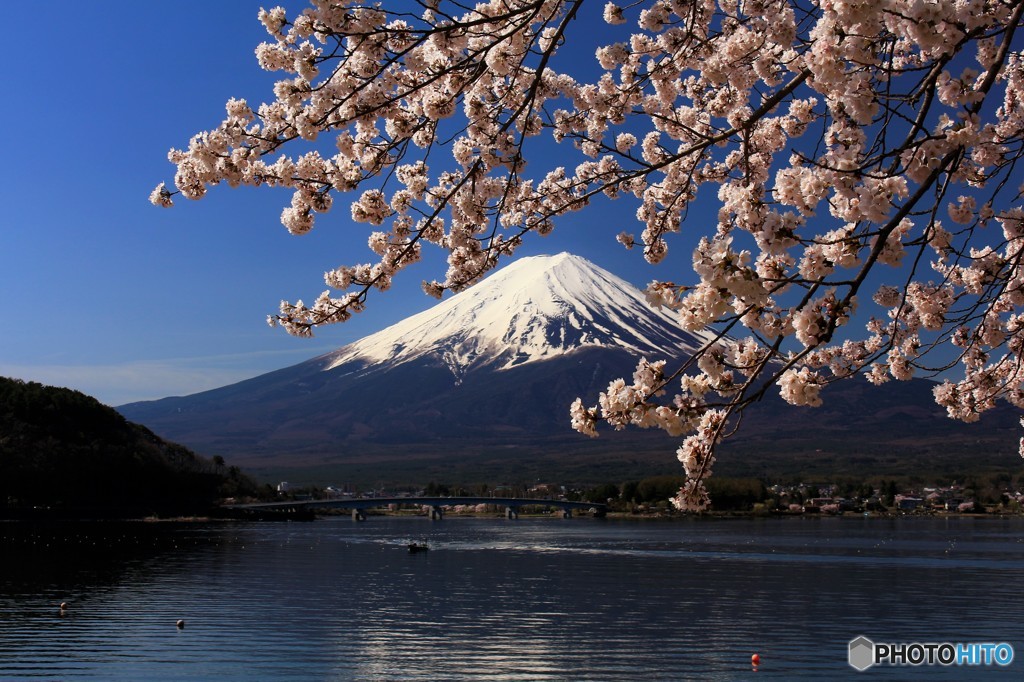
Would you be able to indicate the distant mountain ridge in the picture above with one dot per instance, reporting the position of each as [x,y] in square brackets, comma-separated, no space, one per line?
[481,383]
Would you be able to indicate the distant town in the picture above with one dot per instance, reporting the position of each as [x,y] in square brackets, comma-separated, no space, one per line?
[650,496]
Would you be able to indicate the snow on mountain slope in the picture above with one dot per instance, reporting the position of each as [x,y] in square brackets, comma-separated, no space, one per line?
[534,309]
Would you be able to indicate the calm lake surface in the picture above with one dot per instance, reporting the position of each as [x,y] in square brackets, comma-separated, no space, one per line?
[530,599]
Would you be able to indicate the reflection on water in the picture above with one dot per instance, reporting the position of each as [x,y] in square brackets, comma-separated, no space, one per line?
[533,599]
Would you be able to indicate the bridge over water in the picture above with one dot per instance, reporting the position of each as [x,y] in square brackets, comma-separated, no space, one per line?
[435,505]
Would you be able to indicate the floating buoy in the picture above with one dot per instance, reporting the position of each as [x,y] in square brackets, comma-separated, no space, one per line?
[63,606]
[181,623]
[755,660]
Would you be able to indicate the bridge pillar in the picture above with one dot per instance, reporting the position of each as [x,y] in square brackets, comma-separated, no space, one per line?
[436,513]
[567,513]
[511,512]
[358,514]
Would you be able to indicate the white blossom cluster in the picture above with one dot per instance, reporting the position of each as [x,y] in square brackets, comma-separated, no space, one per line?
[841,138]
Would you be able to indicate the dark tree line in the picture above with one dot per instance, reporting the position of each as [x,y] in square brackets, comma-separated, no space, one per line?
[727,494]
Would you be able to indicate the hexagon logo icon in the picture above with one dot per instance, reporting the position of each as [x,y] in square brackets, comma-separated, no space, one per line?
[862,653]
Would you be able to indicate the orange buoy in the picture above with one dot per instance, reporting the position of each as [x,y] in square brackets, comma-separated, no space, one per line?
[755,659]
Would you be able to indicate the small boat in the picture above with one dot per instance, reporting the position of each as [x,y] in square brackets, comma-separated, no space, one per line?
[414,548]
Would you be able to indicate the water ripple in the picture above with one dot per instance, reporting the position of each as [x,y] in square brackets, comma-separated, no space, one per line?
[493,599]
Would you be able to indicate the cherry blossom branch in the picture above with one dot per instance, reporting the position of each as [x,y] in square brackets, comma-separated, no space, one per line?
[842,141]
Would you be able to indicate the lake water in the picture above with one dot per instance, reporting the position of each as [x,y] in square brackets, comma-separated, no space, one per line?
[496,599]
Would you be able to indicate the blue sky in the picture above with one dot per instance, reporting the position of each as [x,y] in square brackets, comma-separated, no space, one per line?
[109,295]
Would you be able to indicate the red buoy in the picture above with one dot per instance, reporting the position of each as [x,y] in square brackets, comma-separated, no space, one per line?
[755,660]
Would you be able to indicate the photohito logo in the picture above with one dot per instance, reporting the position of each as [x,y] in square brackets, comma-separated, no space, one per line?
[864,653]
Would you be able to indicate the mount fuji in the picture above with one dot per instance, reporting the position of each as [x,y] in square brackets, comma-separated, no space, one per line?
[479,386]
[536,309]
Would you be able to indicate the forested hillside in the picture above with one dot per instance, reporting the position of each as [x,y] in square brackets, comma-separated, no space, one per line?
[63,451]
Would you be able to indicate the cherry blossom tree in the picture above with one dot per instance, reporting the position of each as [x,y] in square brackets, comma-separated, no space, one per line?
[862,153]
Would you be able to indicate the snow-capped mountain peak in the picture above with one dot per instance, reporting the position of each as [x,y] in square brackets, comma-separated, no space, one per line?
[533,309]
[481,384]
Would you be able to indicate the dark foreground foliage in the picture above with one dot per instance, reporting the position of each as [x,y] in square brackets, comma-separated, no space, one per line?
[64,453]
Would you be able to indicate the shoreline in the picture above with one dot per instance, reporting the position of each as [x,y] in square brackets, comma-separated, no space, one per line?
[542,509]
[662,517]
